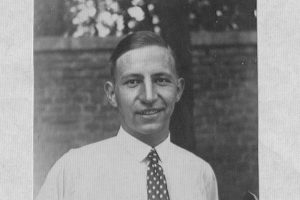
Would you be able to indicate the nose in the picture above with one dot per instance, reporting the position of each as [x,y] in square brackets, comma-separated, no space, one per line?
[149,94]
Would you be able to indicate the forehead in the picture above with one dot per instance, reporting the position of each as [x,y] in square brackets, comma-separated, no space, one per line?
[149,59]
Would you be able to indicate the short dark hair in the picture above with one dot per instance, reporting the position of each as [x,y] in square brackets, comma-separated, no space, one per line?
[137,40]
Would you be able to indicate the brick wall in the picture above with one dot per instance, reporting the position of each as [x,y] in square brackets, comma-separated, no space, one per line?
[71,109]
[225,115]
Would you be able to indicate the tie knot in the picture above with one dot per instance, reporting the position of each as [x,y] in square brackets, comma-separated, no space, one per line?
[153,156]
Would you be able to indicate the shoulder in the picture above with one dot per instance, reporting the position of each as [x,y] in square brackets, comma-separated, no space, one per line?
[97,147]
[98,151]
[195,166]
[74,166]
[192,161]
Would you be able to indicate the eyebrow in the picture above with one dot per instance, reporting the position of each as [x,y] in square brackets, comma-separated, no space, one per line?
[126,76]
[160,74]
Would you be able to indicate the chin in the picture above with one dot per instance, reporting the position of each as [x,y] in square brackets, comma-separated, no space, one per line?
[151,129]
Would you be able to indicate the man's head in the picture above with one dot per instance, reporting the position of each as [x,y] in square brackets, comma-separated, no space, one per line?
[145,86]
[135,41]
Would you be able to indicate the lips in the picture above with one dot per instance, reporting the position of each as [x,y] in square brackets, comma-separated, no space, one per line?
[152,111]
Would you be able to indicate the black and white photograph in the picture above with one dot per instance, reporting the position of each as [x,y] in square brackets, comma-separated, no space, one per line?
[145,99]
[148,99]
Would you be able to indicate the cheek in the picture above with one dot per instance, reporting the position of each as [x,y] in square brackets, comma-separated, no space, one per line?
[170,95]
[124,99]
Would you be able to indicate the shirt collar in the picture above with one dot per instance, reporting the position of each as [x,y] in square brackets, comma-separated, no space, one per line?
[139,149]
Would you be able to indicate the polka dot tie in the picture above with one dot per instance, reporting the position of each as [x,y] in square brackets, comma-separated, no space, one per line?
[156,180]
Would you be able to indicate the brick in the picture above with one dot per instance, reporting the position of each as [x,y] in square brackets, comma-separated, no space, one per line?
[62,99]
[72,109]
[80,98]
[45,101]
[90,108]
[92,127]
[56,119]
[221,84]
[55,109]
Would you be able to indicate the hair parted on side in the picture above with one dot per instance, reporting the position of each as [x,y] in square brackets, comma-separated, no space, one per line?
[137,40]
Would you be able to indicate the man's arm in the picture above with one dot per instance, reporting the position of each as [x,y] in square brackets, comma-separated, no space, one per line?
[211,185]
[54,187]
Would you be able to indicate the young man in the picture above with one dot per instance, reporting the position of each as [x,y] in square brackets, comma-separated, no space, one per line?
[140,162]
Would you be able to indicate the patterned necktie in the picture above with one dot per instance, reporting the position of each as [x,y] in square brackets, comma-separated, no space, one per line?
[156,180]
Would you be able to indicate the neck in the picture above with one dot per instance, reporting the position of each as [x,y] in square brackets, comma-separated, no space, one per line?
[153,142]
[151,139]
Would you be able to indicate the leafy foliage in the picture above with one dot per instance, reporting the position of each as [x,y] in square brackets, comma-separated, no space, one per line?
[111,17]
[222,15]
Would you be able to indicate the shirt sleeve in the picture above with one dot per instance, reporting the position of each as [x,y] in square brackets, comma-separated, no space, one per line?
[54,186]
[211,185]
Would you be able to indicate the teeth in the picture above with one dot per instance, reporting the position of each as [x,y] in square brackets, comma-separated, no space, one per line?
[149,112]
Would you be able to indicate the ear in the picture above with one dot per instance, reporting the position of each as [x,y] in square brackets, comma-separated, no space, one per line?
[180,88]
[109,89]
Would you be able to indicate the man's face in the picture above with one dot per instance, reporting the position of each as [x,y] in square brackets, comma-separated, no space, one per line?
[145,91]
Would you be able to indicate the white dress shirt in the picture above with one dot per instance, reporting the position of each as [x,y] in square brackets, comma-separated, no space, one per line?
[116,169]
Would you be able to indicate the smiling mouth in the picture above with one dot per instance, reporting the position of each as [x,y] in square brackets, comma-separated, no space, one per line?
[149,111]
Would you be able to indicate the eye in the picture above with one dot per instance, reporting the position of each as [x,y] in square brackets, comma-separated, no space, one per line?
[162,81]
[132,83]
